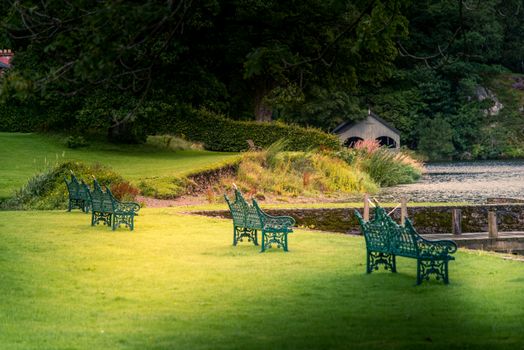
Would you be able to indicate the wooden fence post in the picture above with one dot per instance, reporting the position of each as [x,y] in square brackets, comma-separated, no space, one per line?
[403,210]
[493,231]
[366,207]
[456,221]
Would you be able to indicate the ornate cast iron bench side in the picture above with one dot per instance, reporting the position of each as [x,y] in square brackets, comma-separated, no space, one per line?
[101,206]
[84,191]
[432,256]
[274,228]
[242,227]
[77,194]
[377,242]
[109,210]
[123,212]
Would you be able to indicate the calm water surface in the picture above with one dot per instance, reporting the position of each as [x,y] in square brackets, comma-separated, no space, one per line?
[463,182]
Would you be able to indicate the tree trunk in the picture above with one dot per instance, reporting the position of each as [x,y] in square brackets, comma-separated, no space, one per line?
[125,132]
[263,112]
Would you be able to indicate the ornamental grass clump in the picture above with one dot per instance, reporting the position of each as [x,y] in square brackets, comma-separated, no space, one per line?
[384,166]
[292,174]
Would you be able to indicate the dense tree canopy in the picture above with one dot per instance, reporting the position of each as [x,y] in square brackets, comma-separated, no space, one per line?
[312,62]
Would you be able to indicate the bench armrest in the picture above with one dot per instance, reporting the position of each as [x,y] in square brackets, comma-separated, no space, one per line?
[436,248]
[274,221]
[277,221]
[128,206]
[428,247]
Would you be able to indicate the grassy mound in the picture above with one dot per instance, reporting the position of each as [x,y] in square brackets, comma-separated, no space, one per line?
[177,283]
[292,174]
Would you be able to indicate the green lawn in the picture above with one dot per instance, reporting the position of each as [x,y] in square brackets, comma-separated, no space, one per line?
[177,283]
[23,155]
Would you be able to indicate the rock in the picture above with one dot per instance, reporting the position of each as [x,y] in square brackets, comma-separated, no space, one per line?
[482,93]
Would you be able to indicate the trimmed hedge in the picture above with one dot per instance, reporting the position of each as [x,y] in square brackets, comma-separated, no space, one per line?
[218,133]
[17,118]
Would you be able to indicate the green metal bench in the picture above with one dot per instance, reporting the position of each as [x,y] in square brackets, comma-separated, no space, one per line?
[385,240]
[248,219]
[78,194]
[107,209]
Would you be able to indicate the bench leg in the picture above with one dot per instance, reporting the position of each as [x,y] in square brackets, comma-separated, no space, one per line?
[278,238]
[239,233]
[394,264]
[426,268]
[126,219]
[263,248]
[375,259]
[419,278]
[446,276]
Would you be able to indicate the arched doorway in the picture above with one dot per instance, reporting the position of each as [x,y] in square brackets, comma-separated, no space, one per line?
[350,142]
[386,141]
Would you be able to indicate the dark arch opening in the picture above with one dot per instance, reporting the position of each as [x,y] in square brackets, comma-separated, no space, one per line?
[350,142]
[386,141]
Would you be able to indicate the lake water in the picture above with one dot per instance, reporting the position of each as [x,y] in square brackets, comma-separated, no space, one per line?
[463,182]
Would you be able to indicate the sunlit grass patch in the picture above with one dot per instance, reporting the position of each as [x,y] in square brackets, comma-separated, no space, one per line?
[177,283]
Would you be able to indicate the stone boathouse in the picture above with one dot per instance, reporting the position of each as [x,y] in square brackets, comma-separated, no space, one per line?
[371,128]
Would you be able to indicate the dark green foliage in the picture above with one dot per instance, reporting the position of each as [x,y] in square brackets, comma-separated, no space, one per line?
[47,190]
[227,56]
[313,63]
[17,117]
[436,140]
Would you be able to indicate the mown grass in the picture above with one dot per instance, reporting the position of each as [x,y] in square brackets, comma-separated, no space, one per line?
[23,155]
[177,283]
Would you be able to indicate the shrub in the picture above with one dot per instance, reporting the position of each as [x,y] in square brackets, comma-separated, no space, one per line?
[75,142]
[47,189]
[172,143]
[124,191]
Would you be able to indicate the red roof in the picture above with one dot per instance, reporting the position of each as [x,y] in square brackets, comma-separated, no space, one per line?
[6,56]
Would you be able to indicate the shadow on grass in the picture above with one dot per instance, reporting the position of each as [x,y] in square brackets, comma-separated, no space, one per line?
[337,311]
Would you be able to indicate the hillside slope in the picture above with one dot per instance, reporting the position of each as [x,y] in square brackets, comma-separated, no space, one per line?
[23,155]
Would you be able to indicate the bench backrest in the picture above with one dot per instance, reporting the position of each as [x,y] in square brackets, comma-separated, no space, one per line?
[101,201]
[243,213]
[83,191]
[403,242]
[383,234]
[374,231]
[73,187]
